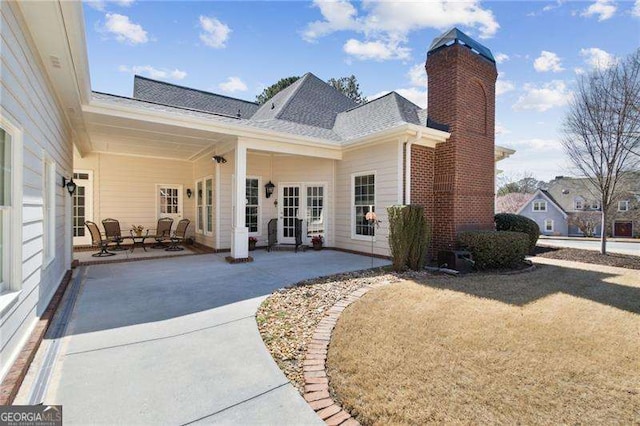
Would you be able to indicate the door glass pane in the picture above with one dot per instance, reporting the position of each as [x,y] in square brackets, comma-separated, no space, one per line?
[199,198]
[79,208]
[290,203]
[315,211]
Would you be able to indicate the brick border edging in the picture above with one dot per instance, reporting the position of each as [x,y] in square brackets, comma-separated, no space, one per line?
[316,380]
[16,374]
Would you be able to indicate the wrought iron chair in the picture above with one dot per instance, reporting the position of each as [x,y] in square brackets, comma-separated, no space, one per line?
[298,231]
[272,230]
[163,232]
[179,235]
[97,240]
[113,233]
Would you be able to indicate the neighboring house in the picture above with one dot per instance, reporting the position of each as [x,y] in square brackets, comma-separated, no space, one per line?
[184,153]
[574,199]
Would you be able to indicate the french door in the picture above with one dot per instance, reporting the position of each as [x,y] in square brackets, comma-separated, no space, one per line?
[82,206]
[169,201]
[301,201]
[289,209]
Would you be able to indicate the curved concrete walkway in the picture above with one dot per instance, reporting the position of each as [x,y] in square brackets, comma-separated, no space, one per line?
[175,341]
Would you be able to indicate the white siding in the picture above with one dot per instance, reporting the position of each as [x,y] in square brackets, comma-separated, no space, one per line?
[382,159]
[28,101]
[124,187]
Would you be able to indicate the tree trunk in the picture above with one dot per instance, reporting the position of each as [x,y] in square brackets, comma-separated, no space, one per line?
[603,233]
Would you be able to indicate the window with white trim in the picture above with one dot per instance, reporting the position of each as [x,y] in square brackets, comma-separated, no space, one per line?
[199,212]
[595,205]
[5,207]
[208,199]
[49,209]
[623,205]
[548,225]
[578,204]
[364,200]
[539,206]
[252,209]
[204,206]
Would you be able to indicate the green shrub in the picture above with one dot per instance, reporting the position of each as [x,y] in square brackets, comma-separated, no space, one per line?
[495,249]
[409,237]
[518,223]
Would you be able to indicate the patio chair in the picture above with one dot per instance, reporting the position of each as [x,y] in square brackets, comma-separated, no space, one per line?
[162,232]
[113,233]
[97,240]
[272,229]
[179,235]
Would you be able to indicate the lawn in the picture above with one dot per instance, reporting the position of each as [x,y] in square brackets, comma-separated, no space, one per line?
[557,345]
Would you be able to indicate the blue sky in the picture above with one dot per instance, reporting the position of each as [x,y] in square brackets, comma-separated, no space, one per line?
[237,48]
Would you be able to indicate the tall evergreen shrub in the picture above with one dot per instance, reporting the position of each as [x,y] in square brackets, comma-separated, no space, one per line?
[409,237]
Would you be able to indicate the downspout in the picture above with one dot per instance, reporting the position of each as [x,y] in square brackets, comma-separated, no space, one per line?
[407,167]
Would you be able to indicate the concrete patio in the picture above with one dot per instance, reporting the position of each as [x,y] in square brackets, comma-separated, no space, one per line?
[174,341]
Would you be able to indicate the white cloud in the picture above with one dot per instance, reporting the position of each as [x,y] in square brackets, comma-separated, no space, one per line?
[501,129]
[543,98]
[215,34]
[579,70]
[233,84]
[124,30]
[548,61]
[375,50]
[418,75]
[604,9]
[503,86]
[598,58]
[152,72]
[101,5]
[385,25]
[636,9]
[537,144]
[501,57]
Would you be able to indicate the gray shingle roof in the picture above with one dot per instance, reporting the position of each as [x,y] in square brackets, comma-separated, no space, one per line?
[308,101]
[308,107]
[160,92]
[382,113]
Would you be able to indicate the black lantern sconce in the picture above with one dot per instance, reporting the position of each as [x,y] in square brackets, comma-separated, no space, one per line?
[69,184]
[268,189]
[219,159]
[189,192]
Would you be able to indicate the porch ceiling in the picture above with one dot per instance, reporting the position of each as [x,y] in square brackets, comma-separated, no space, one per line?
[119,135]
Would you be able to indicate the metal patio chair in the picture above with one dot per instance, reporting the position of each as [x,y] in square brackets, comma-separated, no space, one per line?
[97,240]
[113,233]
[178,235]
[162,232]
[272,230]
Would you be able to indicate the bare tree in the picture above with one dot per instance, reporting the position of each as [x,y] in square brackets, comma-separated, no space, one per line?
[586,221]
[602,130]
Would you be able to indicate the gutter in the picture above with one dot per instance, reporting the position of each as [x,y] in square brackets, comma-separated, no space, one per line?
[407,167]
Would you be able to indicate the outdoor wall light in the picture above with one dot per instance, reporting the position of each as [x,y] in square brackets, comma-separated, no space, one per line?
[189,192]
[268,189]
[219,159]
[70,185]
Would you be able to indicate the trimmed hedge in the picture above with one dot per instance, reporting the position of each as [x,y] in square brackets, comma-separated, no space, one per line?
[495,249]
[518,223]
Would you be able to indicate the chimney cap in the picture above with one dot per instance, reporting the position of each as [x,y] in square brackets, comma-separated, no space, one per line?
[455,36]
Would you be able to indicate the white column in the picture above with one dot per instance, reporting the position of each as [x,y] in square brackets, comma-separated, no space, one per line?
[240,236]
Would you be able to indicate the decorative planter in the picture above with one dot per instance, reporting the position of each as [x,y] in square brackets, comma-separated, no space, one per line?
[317,246]
[252,245]
[138,233]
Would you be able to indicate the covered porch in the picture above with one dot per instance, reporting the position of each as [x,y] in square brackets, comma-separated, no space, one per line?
[138,168]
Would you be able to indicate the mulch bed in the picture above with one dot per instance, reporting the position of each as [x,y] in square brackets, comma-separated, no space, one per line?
[590,256]
[287,319]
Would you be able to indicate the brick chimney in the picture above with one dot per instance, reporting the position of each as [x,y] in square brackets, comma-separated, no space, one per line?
[461,94]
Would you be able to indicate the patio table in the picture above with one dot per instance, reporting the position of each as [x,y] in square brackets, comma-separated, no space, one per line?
[138,240]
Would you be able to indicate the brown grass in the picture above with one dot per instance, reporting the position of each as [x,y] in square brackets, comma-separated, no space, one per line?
[557,345]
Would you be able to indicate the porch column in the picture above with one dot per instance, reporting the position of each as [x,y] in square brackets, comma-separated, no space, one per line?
[240,233]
